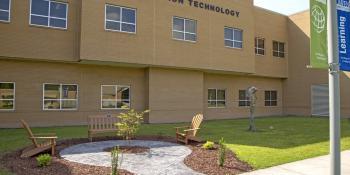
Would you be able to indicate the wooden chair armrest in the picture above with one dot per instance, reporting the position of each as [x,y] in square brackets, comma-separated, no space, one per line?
[192,129]
[44,134]
[43,137]
[181,127]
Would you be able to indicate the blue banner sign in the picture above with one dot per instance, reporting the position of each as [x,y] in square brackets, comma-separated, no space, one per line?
[343,8]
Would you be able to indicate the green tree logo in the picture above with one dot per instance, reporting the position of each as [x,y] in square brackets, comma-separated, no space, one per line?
[319,19]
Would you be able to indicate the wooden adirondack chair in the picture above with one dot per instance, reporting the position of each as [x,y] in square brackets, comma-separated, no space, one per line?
[186,133]
[49,142]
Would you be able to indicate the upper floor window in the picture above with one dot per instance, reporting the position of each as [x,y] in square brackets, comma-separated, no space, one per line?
[278,49]
[233,37]
[120,19]
[115,97]
[270,98]
[184,29]
[60,97]
[7,96]
[216,98]
[259,46]
[5,6]
[243,98]
[48,13]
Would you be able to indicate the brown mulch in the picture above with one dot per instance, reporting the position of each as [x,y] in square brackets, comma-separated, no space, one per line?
[201,160]
[130,149]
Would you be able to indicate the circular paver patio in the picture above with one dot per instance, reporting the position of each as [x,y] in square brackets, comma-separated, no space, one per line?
[163,157]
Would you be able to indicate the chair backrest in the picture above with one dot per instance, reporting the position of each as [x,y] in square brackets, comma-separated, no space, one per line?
[102,122]
[30,133]
[196,122]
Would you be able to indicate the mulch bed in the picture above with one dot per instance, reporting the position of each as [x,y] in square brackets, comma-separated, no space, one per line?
[201,160]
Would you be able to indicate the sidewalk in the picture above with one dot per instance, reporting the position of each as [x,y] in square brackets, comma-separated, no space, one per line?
[313,166]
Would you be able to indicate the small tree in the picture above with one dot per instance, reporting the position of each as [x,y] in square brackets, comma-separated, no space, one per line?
[116,161]
[129,123]
[222,152]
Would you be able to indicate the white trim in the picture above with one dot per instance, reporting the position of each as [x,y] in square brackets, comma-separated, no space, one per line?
[257,46]
[115,100]
[234,39]
[14,97]
[9,11]
[121,19]
[184,32]
[216,100]
[60,100]
[49,16]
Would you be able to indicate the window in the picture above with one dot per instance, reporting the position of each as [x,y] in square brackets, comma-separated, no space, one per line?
[270,98]
[233,37]
[60,97]
[7,96]
[120,19]
[49,13]
[115,97]
[259,46]
[5,6]
[216,98]
[278,49]
[184,29]
[243,99]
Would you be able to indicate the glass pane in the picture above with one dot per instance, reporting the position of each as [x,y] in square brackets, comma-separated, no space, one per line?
[124,103]
[178,24]
[4,4]
[123,93]
[275,46]
[238,45]
[38,20]
[178,35]
[69,91]
[273,103]
[242,95]
[57,23]
[261,44]
[211,104]
[6,91]
[238,35]
[128,28]
[112,13]
[109,104]
[281,47]
[40,7]
[261,52]
[108,93]
[273,95]
[228,33]
[221,103]
[58,10]
[281,55]
[221,95]
[190,37]
[211,94]
[128,15]
[51,104]
[112,25]
[6,104]
[242,103]
[267,95]
[69,104]
[4,16]
[228,43]
[267,103]
[190,26]
[51,91]
[275,54]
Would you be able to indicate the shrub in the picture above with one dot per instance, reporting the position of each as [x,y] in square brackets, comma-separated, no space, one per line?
[208,145]
[115,161]
[44,160]
[222,152]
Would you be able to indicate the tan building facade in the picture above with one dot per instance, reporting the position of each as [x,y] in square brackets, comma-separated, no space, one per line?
[62,61]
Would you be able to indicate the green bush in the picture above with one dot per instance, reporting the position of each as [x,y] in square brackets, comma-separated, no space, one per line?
[222,152]
[44,160]
[208,145]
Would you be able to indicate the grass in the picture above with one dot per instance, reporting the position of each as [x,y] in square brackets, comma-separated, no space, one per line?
[278,140]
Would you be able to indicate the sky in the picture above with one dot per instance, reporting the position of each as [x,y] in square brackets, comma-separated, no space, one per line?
[286,7]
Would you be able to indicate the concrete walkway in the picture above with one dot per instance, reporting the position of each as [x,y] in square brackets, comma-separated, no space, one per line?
[164,158]
[313,166]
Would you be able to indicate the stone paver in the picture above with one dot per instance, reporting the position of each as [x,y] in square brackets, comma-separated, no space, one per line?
[313,166]
[164,158]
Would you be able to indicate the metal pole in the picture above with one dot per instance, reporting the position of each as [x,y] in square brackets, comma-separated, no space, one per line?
[334,88]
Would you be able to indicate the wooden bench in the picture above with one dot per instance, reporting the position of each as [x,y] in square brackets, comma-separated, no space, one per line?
[101,124]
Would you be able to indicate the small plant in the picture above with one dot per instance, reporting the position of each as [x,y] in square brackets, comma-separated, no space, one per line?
[208,145]
[115,161]
[222,152]
[44,160]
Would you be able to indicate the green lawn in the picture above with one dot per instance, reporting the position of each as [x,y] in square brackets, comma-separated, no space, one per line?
[279,140]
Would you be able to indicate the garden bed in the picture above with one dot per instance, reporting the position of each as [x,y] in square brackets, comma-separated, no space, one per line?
[201,160]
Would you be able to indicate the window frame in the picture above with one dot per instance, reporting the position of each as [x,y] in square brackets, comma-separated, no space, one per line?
[278,49]
[9,11]
[184,32]
[233,40]
[270,100]
[246,101]
[49,15]
[121,19]
[116,100]
[14,97]
[60,99]
[216,100]
[257,48]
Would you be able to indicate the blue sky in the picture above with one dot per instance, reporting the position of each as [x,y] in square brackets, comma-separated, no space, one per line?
[286,7]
